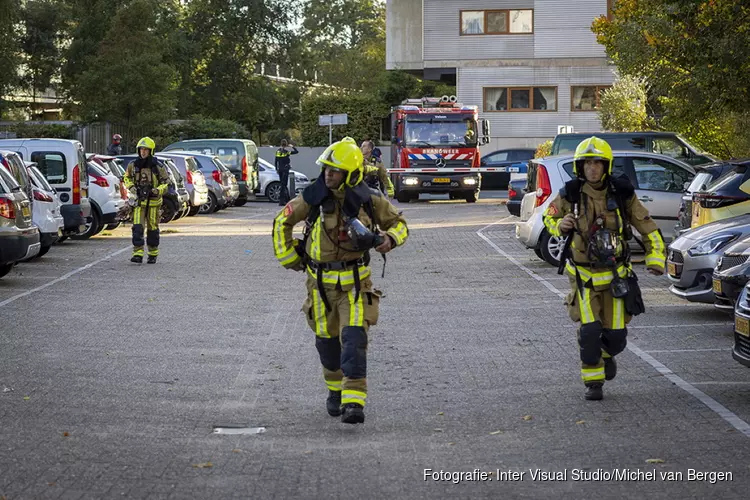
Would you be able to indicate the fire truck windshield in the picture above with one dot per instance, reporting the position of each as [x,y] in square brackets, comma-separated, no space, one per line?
[426,132]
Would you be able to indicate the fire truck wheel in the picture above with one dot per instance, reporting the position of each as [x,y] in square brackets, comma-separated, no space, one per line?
[403,197]
[472,197]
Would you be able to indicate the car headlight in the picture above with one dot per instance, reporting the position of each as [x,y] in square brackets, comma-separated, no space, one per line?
[712,244]
[410,181]
[470,181]
[300,178]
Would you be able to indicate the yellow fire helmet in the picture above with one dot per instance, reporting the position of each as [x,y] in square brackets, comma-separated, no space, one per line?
[147,143]
[595,149]
[346,157]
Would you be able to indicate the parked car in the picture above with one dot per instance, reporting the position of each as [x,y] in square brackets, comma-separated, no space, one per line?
[516,191]
[691,258]
[728,196]
[45,210]
[107,203]
[665,143]
[63,163]
[270,185]
[705,175]
[17,169]
[239,155]
[175,201]
[217,196]
[195,181]
[503,158]
[658,182]
[741,350]
[231,188]
[19,238]
[731,274]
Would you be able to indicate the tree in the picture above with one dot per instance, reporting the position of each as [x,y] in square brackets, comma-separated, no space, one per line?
[9,47]
[623,106]
[365,113]
[128,79]
[695,56]
[43,22]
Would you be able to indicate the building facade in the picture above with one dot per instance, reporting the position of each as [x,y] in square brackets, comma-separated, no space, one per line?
[530,65]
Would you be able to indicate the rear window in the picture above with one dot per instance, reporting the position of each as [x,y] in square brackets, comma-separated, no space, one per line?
[521,155]
[95,169]
[729,181]
[569,144]
[229,157]
[18,170]
[7,183]
[191,164]
[52,165]
[220,165]
[39,179]
[700,182]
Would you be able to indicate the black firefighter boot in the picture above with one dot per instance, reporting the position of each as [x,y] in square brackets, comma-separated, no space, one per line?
[333,403]
[610,368]
[138,259]
[594,391]
[353,414]
[151,259]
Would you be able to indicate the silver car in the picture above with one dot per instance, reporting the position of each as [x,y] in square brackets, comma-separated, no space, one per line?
[270,185]
[692,257]
[658,180]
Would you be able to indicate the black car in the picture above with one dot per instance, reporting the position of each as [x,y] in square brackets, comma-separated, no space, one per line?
[516,190]
[503,158]
[731,274]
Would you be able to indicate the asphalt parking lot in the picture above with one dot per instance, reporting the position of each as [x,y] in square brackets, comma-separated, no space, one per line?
[113,375]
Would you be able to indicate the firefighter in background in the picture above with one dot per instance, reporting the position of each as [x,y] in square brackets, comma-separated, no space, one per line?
[283,165]
[344,220]
[147,181]
[596,210]
[376,176]
[115,149]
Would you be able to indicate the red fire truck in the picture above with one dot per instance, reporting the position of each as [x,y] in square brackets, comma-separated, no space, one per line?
[436,148]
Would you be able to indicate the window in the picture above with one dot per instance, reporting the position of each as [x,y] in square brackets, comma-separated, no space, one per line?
[229,157]
[586,98]
[669,146]
[520,99]
[497,22]
[660,175]
[618,169]
[522,154]
[52,165]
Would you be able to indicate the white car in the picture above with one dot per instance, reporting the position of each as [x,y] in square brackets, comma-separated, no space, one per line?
[270,186]
[46,210]
[658,180]
[106,200]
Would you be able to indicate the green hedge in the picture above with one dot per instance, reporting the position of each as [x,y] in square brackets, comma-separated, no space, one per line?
[49,130]
[365,114]
[198,128]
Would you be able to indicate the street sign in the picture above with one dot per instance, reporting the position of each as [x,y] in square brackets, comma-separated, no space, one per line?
[565,129]
[331,120]
[326,120]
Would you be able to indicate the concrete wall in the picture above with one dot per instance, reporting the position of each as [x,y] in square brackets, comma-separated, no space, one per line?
[304,161]
[403,44]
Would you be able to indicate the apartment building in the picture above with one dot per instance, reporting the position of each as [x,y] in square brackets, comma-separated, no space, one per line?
[530,65]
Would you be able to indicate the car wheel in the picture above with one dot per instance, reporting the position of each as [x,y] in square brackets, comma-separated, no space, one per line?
[472,197]
[61,239]
[210,206]
[273,192]
[193,211]
[239,202]
[539,253]
[92,227]
[112,227]
[167,211]
[5,269]
[551,247]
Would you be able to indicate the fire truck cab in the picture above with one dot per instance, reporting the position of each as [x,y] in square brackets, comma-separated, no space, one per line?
[439,139]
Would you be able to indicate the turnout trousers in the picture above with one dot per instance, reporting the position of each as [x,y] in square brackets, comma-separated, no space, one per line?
[603,331]
[341,335]
[152,225]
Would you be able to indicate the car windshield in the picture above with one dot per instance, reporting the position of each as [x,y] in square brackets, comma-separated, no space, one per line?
[427,132]
[221,166]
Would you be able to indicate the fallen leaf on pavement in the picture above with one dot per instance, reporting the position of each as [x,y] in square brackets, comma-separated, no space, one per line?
[438,430]
[441,413]
[65,434]
[26,398]
[528,417]
[494,433]
[204,465]
[579,422]
[236,450]
[654,461]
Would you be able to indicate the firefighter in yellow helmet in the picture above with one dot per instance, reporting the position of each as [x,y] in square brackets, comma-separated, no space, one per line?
[344,220]
[596,211]
[147,181]
[376,176]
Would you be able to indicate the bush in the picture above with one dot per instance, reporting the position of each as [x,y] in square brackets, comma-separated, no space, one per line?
[365,115]
[198,128]
[48,130]
[544,149]
[623,106]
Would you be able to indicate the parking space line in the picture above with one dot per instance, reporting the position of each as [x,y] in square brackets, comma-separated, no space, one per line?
[656,351]
[680,326]
[704,398]
[98,261]
[722,382]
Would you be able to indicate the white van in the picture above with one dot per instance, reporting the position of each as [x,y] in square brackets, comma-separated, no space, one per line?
[63,164]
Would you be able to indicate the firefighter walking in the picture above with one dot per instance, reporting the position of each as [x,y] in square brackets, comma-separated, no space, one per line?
[344,220]
[283,165]
[147,182]
[596,211]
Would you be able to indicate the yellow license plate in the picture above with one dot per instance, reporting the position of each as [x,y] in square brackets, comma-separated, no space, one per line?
[742,326]
[26,211]
[440,179]
[717,286]
[671,269]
